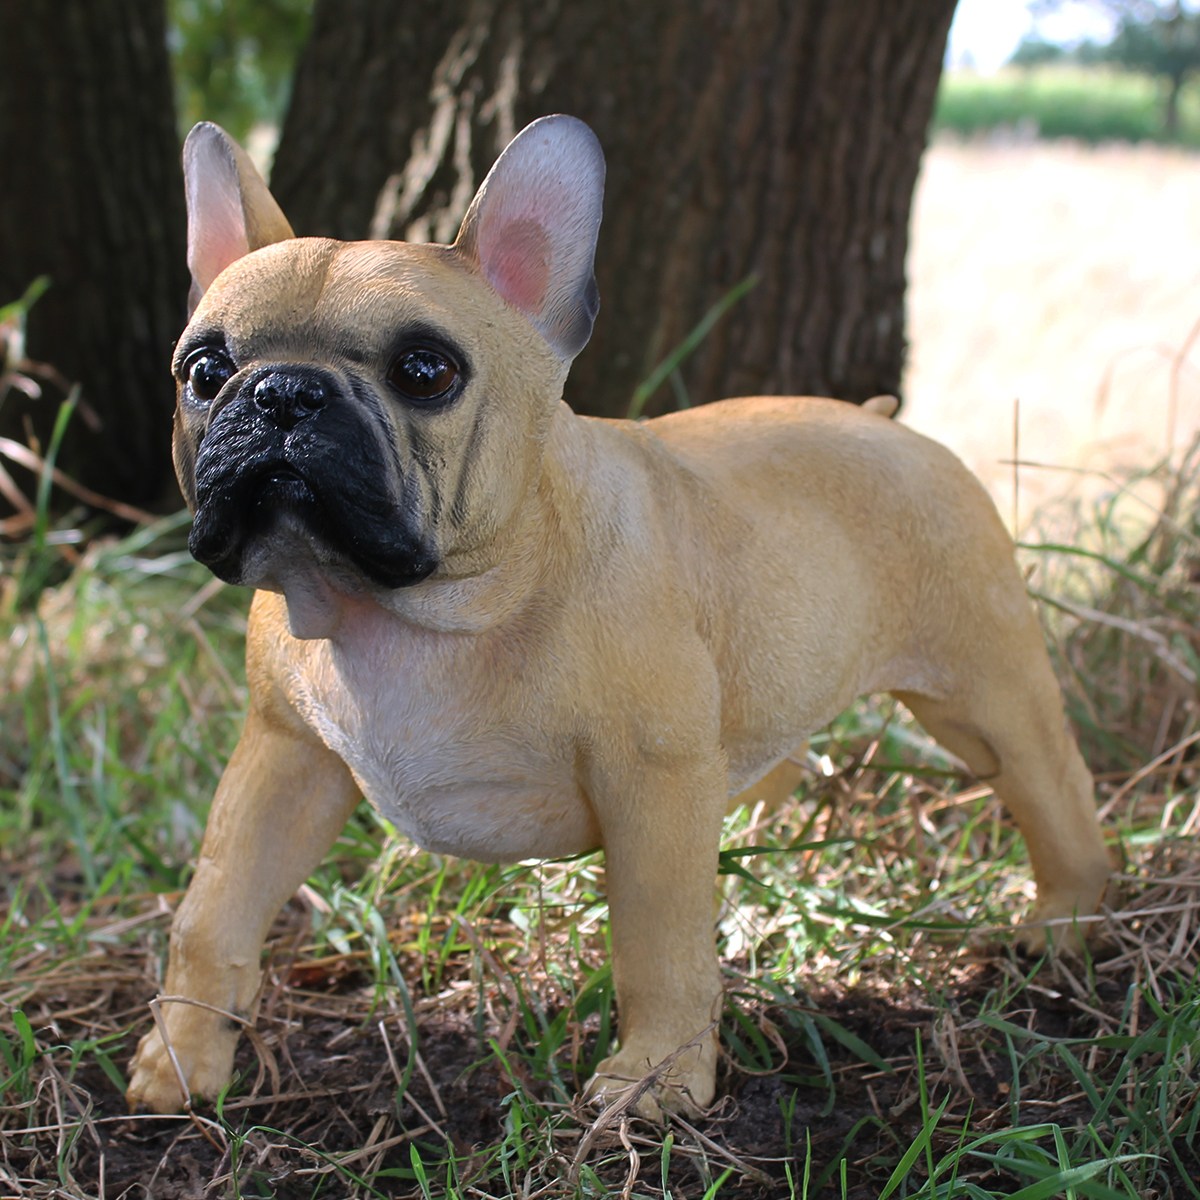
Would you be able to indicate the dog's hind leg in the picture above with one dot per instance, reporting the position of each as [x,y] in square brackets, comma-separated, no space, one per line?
[1003,717]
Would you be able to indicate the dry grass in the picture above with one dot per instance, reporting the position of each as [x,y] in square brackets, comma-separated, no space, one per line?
[415,1005]
[896,1008]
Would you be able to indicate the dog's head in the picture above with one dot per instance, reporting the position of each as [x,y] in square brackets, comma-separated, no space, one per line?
[365,415]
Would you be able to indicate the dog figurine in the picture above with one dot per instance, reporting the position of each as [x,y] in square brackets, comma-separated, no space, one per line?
[522,633]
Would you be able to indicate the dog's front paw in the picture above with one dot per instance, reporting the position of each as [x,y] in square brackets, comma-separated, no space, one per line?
[204,1068]
[652,1085]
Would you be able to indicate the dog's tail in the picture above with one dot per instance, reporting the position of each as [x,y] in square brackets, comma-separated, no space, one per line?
[885,406]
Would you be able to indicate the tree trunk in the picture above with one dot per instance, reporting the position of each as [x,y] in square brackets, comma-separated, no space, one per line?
[93,198]
[773,141]
[1175,82]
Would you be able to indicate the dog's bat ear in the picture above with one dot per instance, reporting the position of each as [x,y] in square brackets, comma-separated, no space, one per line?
[230,210]
[531,229]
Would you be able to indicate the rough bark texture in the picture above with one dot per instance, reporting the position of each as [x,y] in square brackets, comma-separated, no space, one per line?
[93,198]
[767,139]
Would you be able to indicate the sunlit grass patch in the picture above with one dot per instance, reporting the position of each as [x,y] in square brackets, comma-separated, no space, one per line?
[123,700]
[1088,104]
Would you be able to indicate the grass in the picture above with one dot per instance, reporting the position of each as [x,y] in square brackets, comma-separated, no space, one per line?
[1121,578]
[426,1022]
[1088,104]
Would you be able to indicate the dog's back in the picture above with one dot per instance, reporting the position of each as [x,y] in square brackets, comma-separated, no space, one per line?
[844,520]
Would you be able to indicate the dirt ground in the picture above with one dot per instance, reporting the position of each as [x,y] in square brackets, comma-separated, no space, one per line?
[1066,278]
[337,1090]
[333,1084]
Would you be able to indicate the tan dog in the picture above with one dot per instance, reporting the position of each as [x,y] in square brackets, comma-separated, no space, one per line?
[521,633]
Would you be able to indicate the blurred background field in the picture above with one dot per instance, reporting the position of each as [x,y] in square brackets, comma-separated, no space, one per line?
[1064,278]
[1054,267]
[1093,104]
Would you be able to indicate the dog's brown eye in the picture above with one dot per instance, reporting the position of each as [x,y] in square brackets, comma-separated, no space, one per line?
[207,373]
[423,375]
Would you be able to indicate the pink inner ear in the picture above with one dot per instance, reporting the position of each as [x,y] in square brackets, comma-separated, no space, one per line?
[517,263]
[215,250]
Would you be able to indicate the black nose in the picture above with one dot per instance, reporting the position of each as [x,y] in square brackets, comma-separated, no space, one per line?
[289,397]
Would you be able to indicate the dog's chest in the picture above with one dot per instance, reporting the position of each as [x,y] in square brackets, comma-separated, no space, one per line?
[436,737]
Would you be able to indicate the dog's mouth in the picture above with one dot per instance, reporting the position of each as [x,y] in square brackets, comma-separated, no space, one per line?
[251,524]
[283,487]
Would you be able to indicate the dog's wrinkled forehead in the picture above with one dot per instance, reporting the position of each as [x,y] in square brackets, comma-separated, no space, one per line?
[344,298]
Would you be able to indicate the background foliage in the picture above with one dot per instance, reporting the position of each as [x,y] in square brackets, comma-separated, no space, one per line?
[234,59]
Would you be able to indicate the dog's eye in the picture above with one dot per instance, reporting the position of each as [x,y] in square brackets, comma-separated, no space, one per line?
[207,373]
[423,375]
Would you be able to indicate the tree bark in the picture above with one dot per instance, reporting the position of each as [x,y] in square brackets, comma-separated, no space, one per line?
[1175,82]
[774,141]
[93,198]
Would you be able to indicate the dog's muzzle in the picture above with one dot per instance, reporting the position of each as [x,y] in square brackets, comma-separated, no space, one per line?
[294,444]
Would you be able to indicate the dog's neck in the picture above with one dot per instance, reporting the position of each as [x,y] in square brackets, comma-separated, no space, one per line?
[480,589]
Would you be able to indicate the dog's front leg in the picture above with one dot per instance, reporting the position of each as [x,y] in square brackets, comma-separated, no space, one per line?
[662,829]
[278,808]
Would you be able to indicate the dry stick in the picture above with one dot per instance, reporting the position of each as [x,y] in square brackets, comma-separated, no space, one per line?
[370,1147]
[1155,639]
[1148,769]
[34,462]
[205,645]
[391,1057]
[125,1118]
[201,597]
[14,495]
[309,1094]
[419,1059]
[635,1161]
[945,1038]
[1049,923]
[1184,931]
[1191,822]
[1177,882]
[1159,910]
[503,981]
[334,1163]
[1123,489]
[612,1113]
[760,1177]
